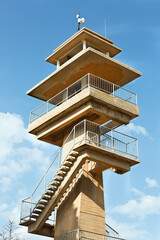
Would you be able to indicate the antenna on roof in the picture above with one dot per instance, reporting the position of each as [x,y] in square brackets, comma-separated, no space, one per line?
[80,20]
[105,31]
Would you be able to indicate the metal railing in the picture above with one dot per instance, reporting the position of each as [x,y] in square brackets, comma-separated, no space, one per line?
[89,80]
[82,133]
[111,231]
[28,204]
[79,234]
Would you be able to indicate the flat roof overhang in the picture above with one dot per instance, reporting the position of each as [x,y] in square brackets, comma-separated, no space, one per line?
[86,61]
[91,104]
[93,39]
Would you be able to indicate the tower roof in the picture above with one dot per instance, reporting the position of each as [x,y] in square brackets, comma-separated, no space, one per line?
[86,61]
[72,45]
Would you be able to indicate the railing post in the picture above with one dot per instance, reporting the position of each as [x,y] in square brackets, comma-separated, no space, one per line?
[136,100]
[59,159]
[21,210]
[78,233]
[126,149]
[67,94]
[85,131]
[113,89]
[137,148]
[112,140]
[30,117]
[47,107]
[89,78]
[74,136]
[31,206]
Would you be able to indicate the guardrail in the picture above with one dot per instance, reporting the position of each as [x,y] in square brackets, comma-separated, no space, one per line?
[78,86]
[111,231]
[79,234]
[84,132]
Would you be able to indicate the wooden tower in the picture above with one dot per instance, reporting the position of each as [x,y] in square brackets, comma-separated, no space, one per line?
[84,101]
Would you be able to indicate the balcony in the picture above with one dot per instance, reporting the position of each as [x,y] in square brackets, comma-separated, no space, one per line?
[91,98]
[108,149]
[89,80]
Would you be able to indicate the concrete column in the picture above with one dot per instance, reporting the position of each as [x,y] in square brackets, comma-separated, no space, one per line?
[84,44]
[107,54]
[75,138]
[58,64]
[83,206]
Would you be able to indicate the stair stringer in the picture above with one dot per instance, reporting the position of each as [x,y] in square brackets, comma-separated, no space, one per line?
[49,208]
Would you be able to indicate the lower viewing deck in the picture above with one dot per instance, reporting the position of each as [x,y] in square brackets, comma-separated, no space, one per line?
[102,147]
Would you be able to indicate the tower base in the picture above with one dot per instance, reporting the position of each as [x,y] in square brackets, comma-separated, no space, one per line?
[83,205]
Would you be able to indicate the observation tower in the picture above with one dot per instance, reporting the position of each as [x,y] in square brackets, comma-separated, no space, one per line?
[84,103]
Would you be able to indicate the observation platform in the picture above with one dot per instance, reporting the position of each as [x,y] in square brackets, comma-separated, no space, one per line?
[75,44]
[100,147]
[91,98]
[86,61]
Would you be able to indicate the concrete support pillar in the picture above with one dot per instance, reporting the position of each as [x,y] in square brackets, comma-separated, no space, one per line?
[84,44]
[83,205]
[58,63]
[107,54]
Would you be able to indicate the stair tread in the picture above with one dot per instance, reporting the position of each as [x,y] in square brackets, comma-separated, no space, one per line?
[36,211]
[46,197]
[57,178]
[40,207]
[34,216]
[52,188]
[74,153]
[67,163]
[27,222]
[55,183]
[71,158]
[49,193]
[64,168]
[60,173]
[43,202]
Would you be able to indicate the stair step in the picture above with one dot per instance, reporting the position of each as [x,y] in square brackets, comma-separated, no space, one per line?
[34,216]
[74,153]
[52,188]
[70,158]
[49,193]
[57,178]
[61,173]
[40,206]
[67,163]
[27,222]
[55,183]
[43,202]
[65,169]
[36,211]
[46,197]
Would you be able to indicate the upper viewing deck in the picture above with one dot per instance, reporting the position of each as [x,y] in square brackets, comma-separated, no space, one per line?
[75,44]
[85,52]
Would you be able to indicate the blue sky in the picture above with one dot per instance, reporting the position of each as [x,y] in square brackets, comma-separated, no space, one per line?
[30,31]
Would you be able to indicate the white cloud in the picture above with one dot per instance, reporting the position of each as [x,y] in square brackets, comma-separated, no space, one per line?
[13,132]
[20,151]
[143,206]
[3,206]
[5,183]
[132,128]
[151,182]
